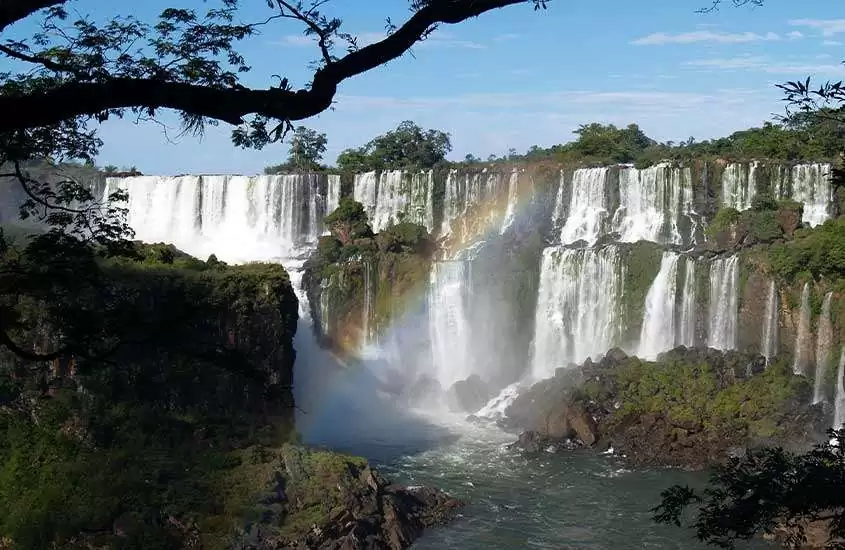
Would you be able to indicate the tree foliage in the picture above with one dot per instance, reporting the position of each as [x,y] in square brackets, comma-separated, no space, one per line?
[406,147]
[307,148]
[349,221]
[763,490]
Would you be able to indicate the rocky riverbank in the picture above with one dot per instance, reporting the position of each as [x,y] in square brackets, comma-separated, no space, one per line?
[690,409]
[322,500]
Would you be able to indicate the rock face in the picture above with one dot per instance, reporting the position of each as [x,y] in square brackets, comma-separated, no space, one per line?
[691,408]
[468,395]
[322,500]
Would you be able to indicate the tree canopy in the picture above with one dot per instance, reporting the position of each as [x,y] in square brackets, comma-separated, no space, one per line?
[764,490]
[407,146]
[307,148]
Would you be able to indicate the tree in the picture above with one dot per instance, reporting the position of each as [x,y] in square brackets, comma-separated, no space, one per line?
[406,147]
[187,62]
[349,221]
[306,148]
[306,151]
[764,490]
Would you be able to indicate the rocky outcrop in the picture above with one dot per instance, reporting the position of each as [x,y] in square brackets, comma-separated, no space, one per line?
[690,409]
[468,395]
[326,501]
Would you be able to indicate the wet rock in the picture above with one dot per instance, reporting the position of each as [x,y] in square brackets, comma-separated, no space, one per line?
[469,395]
[426,390]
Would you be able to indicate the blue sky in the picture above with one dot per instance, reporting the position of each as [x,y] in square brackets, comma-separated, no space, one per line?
[516,77]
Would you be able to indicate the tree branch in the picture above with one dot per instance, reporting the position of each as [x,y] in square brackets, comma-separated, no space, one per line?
[232,104]
[12,11]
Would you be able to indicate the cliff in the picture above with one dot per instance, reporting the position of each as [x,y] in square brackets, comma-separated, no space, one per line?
[135,441]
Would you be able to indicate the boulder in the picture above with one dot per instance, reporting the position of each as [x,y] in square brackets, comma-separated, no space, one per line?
[469,395]
[426,390]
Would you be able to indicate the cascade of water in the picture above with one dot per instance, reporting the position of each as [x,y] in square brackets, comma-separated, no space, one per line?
[839,404]
[513,197]
[824,339]
[769,341]
[724,280]
[448,324]
[811,186]
[333,193]
[658,330]
[802,335]
[587,206]
[367,310]
[578,305]
[365,191]
[559,212]
[686,327]
[651,203]
[739,186]
[238,218]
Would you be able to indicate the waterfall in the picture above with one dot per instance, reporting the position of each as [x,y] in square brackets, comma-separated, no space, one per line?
[448,322]
[395,195]
[559,212]
[578,306]
[769,341]
[739,186]
[658,330]
[724,280]
[802,335]
[237,218]
[686,327]
[367,310]
[652,202]
[824,339]
[333,193]
[468,203]
[587,206]
[513,197]
[811,186]
[839,405]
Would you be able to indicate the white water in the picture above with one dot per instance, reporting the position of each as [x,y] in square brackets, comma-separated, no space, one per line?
[824,339]
[578,305]
[802,357]
[333,194]
[811,186]
[468,200]
[769,340]
[396,195]
[367,310]
[237,218]
[739,185]
[839,403]
[652,203]
[513,197]
[724,280]
[686,326]
[587,211]
[448,324]
[658,330]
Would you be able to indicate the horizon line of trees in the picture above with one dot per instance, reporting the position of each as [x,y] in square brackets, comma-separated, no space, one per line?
[806,136]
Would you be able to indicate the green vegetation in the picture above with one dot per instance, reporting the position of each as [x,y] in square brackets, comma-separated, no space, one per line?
[307,148]
[764,491]
[724,220]
[819,252]
[130,440]
[395,261]
[688,393]
[406,147]
[642,266]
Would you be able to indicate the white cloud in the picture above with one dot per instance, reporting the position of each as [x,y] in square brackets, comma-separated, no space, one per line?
[660,38]
[505,37]
[297,40]
[832,43]
[767,65]
[794,35]
[828,27]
